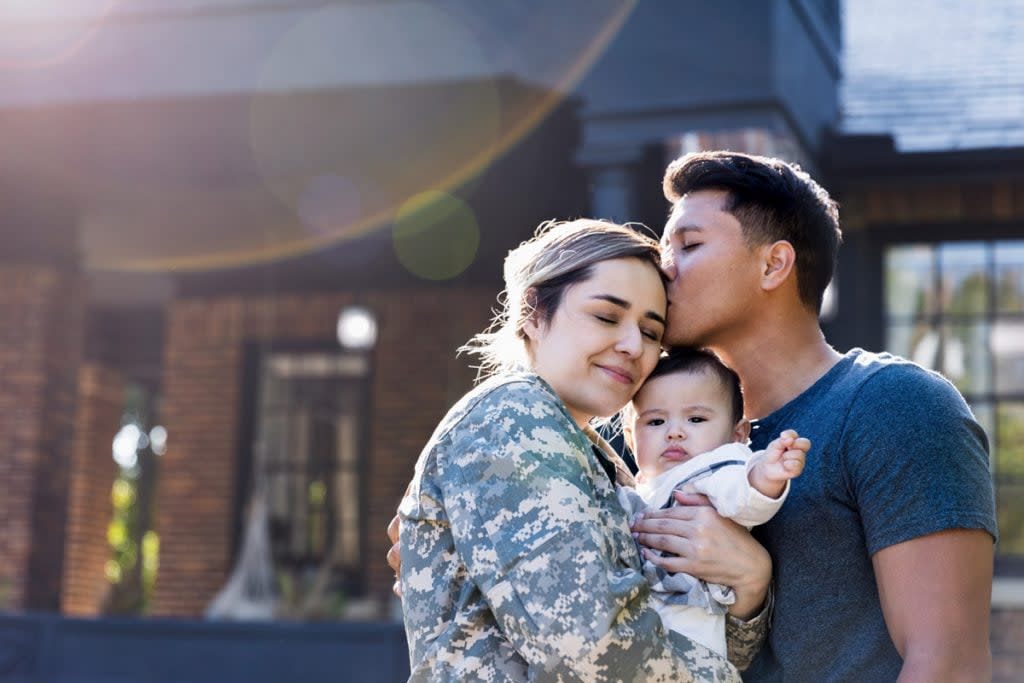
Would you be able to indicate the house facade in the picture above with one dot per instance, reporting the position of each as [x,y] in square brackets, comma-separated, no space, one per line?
[201,203]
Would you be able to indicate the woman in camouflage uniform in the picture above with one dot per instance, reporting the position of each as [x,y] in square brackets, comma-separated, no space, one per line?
[518,563]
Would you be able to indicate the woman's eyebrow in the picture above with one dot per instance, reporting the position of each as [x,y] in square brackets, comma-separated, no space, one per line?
[622,303]
[610,298]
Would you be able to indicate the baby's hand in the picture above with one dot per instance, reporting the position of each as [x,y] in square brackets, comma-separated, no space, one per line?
[781,461]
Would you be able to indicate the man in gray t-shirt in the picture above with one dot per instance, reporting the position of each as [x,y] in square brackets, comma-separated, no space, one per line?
[897,455]
[883,553]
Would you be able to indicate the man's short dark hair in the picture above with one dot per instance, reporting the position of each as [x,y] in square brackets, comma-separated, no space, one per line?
[689,360]
[772,200]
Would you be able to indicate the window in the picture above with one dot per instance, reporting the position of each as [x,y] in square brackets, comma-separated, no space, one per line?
[308,459]
[958,307]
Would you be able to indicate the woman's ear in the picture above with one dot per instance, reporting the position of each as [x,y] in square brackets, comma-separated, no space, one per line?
[531,328]
[532,324]
[779,264]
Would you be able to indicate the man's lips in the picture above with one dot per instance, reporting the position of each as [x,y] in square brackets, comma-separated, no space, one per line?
[618,374]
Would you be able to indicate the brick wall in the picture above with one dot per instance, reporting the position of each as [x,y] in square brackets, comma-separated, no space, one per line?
[415,378]
[40,343]
[86,551]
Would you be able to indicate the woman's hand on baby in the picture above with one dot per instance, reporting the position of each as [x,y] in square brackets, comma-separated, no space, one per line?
[395,554]
[704,544]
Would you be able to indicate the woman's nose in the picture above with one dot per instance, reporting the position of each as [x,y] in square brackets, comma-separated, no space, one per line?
[630,342]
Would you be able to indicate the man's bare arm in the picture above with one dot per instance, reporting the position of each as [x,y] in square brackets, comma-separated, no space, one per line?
[936,594]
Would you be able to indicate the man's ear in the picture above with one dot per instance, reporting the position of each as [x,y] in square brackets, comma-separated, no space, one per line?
[779,264]
[741,433]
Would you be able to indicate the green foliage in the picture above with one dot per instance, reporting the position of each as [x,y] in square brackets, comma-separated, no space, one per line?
[126,550]
[1009,475]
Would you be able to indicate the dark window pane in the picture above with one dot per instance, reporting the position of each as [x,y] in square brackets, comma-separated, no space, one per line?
[917,341]
[965,359]
[1007,348]
[965,278]
[984,413]
[1009,477]
[307,455]
[1010,517]
[1009,277]
[909,281]
[1009,447]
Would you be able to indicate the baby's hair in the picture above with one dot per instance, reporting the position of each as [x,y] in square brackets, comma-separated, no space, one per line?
[686,359]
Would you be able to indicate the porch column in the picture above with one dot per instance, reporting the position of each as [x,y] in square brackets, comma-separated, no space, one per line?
[98,416]
[41,304]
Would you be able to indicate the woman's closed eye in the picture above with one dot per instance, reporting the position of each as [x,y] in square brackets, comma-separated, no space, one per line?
[649,333]
[653,335]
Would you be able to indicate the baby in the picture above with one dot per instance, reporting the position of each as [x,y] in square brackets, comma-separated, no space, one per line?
[687,431]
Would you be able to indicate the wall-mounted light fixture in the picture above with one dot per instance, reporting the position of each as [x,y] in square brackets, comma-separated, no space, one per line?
[357,328]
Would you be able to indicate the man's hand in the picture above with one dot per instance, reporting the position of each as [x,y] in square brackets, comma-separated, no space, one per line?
[395,553]
[710,547]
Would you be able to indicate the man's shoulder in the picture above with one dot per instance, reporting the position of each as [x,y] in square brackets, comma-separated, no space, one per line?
[886,375]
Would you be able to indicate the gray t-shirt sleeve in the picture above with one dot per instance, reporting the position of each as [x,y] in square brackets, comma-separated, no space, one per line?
[917,460]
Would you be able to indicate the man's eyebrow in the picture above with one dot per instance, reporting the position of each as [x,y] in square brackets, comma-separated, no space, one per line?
[622,303]
[686,228]
[676,230]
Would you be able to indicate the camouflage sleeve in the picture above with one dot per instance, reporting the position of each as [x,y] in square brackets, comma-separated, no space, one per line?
[743,639]
[554,568]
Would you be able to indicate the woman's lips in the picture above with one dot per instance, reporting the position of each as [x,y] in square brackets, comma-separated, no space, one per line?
[618,374]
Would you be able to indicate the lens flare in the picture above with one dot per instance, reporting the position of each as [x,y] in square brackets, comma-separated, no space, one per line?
[435,236]
[36,36]
[345,163]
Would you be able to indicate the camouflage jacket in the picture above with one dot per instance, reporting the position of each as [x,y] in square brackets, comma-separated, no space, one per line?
[517,561]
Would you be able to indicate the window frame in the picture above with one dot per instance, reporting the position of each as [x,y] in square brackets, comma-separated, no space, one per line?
[355,582]
[1007,567]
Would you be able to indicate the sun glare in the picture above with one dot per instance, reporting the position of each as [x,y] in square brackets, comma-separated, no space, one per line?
[41,33]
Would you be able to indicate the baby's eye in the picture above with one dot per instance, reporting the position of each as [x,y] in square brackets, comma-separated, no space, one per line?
[691,246]
[697,419]
[655,422]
